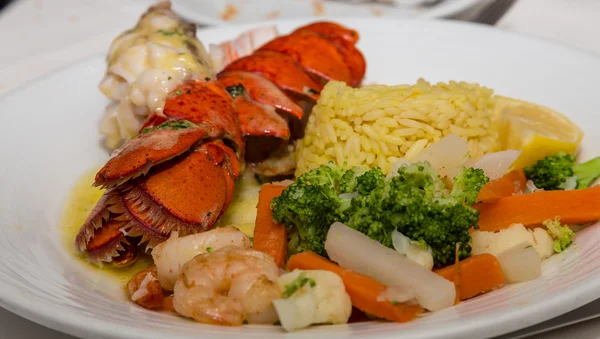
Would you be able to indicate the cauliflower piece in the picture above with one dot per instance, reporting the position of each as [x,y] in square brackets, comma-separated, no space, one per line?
[416,251]
[543,242]
[312,297]
[497,242]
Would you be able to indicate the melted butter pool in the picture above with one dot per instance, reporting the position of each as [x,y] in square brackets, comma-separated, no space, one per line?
[82,199]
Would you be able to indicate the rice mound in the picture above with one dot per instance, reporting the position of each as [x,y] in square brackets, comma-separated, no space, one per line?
[376,125]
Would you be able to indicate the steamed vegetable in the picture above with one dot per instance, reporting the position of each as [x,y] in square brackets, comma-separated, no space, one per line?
[312,297]
[497,164]
[414,202]
[417,251]
[497,242]
[573,207]
[357,252]
[317,199]
[269,237]
[478,274]
[520,263]
[511,183]
[562,234]
[447,155]
[468,184]
[560,171]
[365,292]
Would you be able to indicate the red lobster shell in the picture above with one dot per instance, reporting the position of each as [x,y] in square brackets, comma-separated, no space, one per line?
[178,173]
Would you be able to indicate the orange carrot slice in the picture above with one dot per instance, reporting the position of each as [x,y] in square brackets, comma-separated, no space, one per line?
[364,292]
[269,236]
[573,207]
[512,182]
[478,274]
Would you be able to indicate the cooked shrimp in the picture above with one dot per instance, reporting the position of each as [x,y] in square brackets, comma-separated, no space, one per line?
[227,287]
[171,255]
[312,297]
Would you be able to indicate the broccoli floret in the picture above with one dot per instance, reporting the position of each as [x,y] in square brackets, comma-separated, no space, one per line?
[552,172]
[413,202]
[349,182]
[587,172]
[369,181]
[309,206]
[560,171]
[468,184]
[562,234]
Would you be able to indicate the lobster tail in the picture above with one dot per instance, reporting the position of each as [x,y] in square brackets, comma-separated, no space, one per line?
[175,176]
[178,173]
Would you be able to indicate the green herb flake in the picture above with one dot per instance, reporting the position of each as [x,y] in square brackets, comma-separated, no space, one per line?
[169,78]
[176,125]
[208,249]
[530,246]
[236,90]
[395,302]
[178,92]
[297,284]
[169,33]
[147,130]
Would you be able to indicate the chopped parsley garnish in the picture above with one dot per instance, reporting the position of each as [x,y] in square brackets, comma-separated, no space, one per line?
[208,249]
[236,90]
[169,78]
[180,124]
[207,79]
[395,302]
[169,33]
[297,284]
[176,125]
[178,92]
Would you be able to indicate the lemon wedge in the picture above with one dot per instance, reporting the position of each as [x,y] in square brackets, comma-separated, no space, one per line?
[536,130]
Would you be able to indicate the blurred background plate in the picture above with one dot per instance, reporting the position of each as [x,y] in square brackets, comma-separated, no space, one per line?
[219,12]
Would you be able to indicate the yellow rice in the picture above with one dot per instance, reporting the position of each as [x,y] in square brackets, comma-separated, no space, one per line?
[378,124]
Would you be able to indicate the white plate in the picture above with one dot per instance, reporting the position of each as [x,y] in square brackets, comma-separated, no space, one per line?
[219,12]
[49,138]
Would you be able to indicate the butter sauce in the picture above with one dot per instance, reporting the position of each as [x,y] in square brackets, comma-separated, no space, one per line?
[81,201]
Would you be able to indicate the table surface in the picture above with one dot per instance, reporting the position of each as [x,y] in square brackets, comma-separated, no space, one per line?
[42,36]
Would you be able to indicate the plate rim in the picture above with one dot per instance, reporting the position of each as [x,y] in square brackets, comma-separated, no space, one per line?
[585,290]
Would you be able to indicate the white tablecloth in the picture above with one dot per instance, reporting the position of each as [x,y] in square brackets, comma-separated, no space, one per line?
[41,35]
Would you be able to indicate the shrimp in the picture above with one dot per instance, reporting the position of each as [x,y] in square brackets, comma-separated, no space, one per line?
[312,297]
[170,256]
[228,287]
